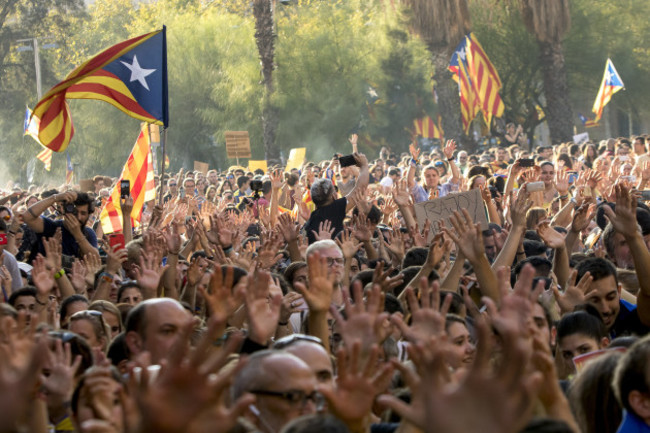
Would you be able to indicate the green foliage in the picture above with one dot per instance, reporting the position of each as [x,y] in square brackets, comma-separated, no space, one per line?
[328,54]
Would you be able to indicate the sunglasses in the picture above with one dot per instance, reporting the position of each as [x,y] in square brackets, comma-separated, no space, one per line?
[291,339]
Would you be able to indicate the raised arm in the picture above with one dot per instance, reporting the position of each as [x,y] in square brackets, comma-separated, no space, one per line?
[362,180]
[31,216]
[449,150]
[624,222]
[518,216]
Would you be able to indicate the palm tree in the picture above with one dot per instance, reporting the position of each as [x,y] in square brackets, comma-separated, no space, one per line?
[549,21]
[265,39]
[441,24]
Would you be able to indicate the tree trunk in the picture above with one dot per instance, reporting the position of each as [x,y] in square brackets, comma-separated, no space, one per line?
[265,40]
[556,89]
[449,101]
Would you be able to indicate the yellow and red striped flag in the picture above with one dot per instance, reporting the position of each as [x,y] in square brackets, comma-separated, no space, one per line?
[139,171]
[425,128]
[485,80]
[45,156]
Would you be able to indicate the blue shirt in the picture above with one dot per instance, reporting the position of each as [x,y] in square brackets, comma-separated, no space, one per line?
[69,244]
[628,322]
[632,424]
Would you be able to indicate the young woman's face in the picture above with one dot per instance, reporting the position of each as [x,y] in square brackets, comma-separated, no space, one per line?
[462,354]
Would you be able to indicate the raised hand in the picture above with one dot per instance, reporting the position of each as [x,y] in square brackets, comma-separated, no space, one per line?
[325,231]
[361,228]
[58,383]
[358,382]
[624,219]
[321,284]
[195,376]
[449,149]
[561,181]
[504,398]
[262,308]
[420,237]
[551,237]
[395,243]
[364,322]
[78,277]
[115,256]
[575,294]
[148,274]
[383,279]
[42,277]
[467,235]
[348,245]
[223,297]
[287,227]
[401,195]
[53,252]
[427,317]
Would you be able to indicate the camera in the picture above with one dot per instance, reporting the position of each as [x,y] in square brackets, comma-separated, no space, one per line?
[70,208]
[256,185]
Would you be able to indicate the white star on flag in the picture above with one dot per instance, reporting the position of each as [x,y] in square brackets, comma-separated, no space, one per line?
[461,54]
[138,73]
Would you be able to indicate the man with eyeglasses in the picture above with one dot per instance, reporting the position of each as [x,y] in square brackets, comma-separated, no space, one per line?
[328,250]
[284,387]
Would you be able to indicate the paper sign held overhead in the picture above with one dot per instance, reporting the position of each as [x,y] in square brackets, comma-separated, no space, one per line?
[201,166]
[254,165]
[440,209]
[296,158]
[238,144]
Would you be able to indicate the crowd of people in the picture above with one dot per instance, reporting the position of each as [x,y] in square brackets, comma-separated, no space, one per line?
[311,300]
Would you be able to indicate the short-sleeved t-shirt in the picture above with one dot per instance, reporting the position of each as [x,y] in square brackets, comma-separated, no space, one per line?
[69,244]
[334,212]
[628,322]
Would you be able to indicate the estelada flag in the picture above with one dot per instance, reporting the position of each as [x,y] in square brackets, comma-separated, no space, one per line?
[611,84]
[139,171]
[131,76]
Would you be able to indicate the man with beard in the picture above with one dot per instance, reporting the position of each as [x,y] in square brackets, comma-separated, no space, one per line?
[78,240]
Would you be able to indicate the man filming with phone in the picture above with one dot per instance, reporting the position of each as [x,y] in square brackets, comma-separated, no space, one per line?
[78,240]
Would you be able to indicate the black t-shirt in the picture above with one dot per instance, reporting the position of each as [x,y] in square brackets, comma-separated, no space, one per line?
[334,212]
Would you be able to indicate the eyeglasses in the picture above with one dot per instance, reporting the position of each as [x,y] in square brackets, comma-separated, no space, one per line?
[91,313]
[172,184]
[295,397]
[331,261]
[294,338]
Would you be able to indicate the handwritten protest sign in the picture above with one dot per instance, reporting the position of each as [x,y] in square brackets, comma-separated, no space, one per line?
[201,166]
[440,209]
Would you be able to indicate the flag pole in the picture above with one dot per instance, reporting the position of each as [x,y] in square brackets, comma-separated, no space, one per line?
[163,142]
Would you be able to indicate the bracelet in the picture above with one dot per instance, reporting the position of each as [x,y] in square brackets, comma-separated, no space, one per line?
[227,249]
[450,159]
[12,233]
[564,197]
[39,302]
[283,323]
[519,253]
[106,277]
[172,253]
[59,274]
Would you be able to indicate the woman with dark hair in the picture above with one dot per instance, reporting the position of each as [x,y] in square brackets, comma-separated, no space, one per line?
[592,398]
[589,155]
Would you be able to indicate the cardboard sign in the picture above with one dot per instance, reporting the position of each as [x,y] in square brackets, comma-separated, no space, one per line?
[441,208]
[201,166]
[238,144]
[296,158]
[581,138]
[254,165]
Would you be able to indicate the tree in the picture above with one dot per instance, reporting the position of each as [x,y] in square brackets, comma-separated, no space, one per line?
[442,24]
[265,40]
[549,21]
